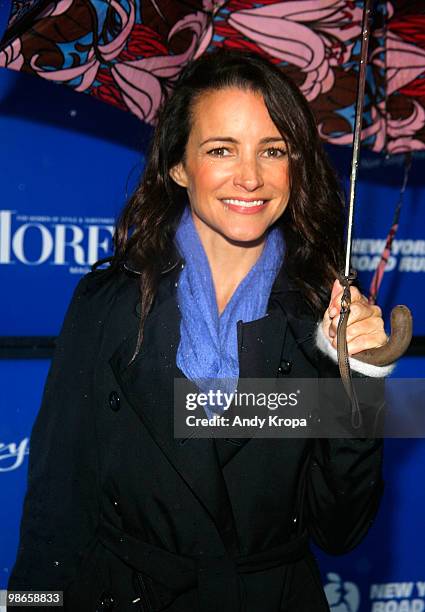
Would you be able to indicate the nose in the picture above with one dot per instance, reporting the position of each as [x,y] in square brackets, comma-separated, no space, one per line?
[248,174]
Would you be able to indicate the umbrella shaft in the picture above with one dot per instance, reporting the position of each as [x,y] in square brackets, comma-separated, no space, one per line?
[357,130]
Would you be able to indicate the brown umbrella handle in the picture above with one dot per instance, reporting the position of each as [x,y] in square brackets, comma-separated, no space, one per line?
[398,342]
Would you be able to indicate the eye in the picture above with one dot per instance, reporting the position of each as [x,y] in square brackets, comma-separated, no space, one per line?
[218,152]
[275,152]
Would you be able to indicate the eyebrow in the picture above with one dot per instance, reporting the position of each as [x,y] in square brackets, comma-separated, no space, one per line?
[267,140]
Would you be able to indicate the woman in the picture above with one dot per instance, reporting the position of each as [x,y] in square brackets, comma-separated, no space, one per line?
[225,265]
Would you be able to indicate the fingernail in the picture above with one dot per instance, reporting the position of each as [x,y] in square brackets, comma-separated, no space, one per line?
[332,312]
[332,333]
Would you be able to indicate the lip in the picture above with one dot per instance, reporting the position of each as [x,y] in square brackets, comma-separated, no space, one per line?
[246,210]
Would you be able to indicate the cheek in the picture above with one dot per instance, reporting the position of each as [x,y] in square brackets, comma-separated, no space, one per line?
[277,177]
[206,179]
[283,178]
[281,185]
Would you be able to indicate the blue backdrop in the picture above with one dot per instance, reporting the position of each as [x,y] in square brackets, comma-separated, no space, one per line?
[66,165]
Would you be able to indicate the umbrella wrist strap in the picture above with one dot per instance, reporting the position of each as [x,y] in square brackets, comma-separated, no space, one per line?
[342,349]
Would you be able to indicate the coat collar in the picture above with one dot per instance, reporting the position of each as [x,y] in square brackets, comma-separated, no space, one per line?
[285,299]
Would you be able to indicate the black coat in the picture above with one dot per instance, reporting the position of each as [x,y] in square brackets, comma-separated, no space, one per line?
[122,516]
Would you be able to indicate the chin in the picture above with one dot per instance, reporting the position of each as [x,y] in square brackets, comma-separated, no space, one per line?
[244,236]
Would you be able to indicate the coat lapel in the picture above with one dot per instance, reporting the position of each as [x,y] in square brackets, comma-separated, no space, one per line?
[260,346]
[301,319]
[148,384]
[264,343]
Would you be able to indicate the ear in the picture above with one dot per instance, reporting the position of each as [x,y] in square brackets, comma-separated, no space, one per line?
[178,174]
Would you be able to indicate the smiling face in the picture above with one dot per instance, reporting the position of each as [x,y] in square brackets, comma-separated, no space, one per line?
[235,168]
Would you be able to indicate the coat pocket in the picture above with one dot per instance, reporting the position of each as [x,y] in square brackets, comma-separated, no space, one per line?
[90,590]
[146,593]
[106,584]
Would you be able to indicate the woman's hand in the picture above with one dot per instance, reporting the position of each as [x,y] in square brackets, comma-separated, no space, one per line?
[365,327]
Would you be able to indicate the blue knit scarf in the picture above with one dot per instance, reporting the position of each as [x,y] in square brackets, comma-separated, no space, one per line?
[208,346]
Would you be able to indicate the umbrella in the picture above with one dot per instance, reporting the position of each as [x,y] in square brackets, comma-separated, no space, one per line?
[129,52]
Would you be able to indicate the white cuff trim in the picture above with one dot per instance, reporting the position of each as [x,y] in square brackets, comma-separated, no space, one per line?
[323,344]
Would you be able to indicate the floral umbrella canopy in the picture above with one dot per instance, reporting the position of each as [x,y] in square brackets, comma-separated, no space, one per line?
[129,52]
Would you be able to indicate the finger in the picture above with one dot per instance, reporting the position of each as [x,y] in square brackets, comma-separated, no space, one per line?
[335,303]
[336,289]
[367,341]
[367,325]
[335,299]
[356,295]
[336,296]
[358,312]
[372,327]
[326,322]
[333,326]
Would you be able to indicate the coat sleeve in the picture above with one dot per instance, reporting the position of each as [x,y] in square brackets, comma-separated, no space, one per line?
[344,481]
[61,510]
[344,487]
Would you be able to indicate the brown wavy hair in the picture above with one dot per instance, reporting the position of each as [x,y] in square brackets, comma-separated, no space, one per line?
[313,221]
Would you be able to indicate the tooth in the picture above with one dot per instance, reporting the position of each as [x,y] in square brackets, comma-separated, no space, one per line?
[242,203]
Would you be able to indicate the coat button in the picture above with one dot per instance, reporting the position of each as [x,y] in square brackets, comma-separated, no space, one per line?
[116,506]
[285,367]
[106,603]
[114,401]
